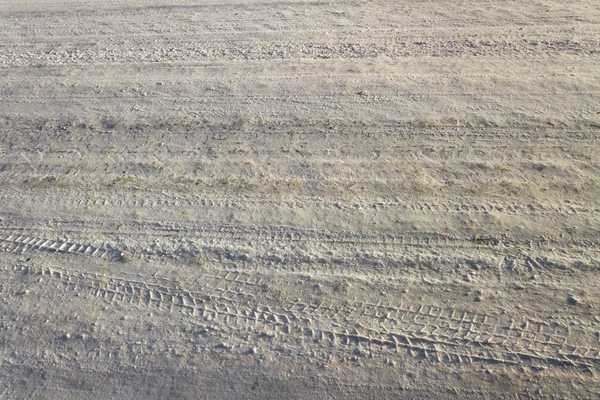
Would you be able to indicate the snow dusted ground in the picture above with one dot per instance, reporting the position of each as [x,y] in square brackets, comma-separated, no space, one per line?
[299,199]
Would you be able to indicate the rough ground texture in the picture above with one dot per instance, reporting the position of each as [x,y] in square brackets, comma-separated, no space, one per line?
[299,199]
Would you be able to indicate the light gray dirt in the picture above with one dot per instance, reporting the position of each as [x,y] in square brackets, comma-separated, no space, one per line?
[299,199]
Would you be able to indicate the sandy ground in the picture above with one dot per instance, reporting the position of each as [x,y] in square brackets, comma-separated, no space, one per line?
[299,199]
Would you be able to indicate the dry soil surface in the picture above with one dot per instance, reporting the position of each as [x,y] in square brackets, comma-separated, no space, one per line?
[299,199]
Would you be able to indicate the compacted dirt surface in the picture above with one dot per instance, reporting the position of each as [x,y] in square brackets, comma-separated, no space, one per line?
[299,199]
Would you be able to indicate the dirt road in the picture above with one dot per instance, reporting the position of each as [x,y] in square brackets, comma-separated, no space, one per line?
[299,199]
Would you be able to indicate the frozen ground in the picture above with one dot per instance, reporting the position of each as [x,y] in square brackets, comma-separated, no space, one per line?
[299,199]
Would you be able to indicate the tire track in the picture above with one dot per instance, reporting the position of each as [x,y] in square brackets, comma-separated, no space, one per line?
[18,243]
[433,206]
[24,130]
[220,244]
[233,299]
[217,236]
[309,48]
[528,338]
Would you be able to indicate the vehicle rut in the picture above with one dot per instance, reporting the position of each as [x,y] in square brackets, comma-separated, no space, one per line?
[237,301]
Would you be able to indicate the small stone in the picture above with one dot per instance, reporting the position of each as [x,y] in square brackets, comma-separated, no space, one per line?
[125,257]
[253,350]
[477,298]
[467,278]
[572,300]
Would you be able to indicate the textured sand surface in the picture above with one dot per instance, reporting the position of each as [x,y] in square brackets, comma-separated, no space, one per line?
[299,199]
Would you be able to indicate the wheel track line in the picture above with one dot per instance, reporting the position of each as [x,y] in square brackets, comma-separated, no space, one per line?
[163,298]
[422,206]
[497,335]
[282,234]
[223,284]
[219,286]
[308,48]
[215,311]
[20,243]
